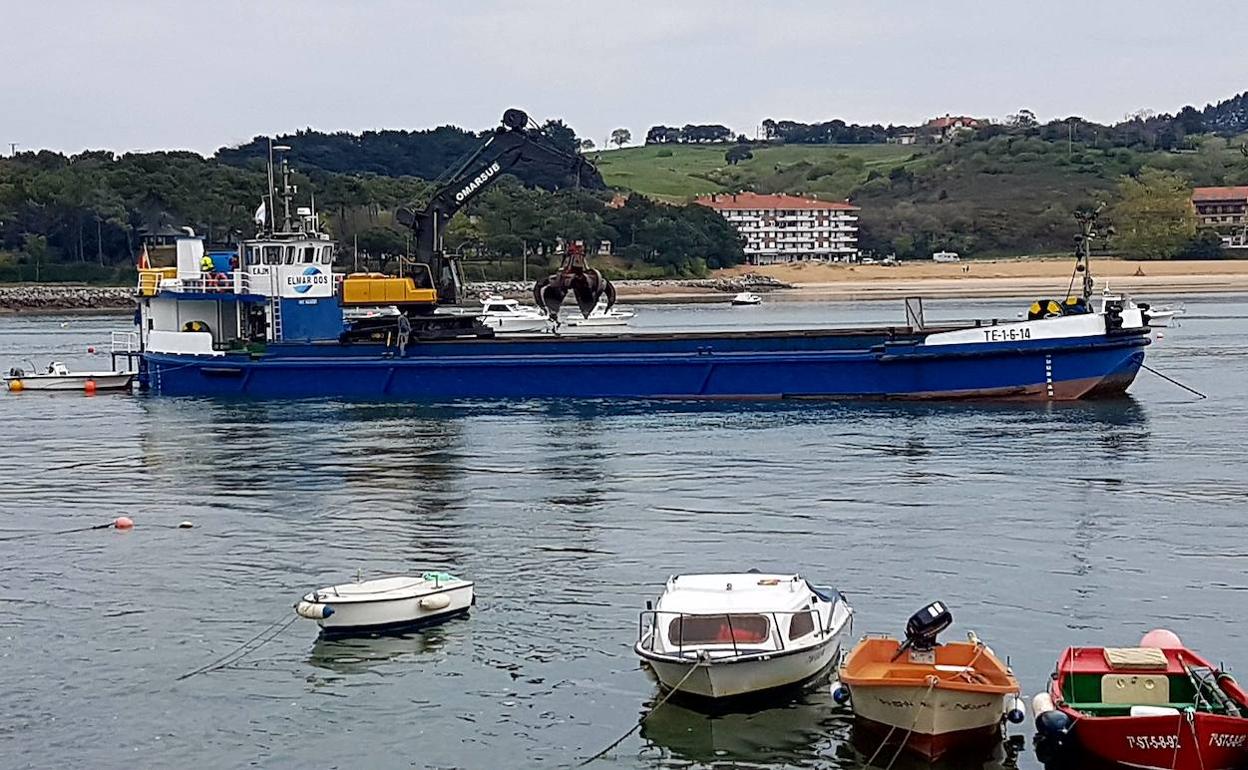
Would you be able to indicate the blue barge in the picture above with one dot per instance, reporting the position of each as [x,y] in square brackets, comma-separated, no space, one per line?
[273,321]
[690,366]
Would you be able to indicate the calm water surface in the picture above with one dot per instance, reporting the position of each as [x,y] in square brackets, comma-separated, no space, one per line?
[1041,526]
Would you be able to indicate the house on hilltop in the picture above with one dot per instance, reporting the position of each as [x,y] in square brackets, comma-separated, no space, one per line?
[789,228]
[946,128]
[1224,209]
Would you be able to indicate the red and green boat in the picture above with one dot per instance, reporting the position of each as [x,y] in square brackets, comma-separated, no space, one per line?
[1158,706]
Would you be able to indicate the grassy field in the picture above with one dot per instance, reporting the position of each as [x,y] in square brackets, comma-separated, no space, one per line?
[676,173]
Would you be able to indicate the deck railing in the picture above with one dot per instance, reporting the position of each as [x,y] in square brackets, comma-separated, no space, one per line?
[236,282]
[124,342]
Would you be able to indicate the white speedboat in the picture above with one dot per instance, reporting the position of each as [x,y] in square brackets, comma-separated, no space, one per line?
[747,298]
[351,314]
[600,316]
[727,635]
[1156,316]
[1160,316]
[58,377]
[387,604]
[508,316]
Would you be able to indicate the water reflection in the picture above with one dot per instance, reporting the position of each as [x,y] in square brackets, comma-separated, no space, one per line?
[810,728]
[810,731]
[353,656]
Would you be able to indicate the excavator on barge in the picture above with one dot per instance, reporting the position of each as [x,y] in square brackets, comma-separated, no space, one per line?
[438,282]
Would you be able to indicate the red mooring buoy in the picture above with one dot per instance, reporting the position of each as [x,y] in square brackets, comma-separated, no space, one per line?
[123,522]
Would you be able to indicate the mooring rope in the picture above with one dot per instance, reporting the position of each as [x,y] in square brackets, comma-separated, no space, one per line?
[918,712]
[1173,381]
[59,531]
[700,662]
[244,649]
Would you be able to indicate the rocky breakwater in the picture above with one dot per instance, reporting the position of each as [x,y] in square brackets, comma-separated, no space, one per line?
[733,285]
[41,297]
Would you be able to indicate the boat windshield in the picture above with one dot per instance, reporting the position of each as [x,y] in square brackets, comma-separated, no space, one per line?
[718,629]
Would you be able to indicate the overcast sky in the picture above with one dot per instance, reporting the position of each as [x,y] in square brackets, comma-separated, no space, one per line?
[132,75]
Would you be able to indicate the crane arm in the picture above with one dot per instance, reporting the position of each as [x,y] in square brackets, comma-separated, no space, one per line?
[511,143]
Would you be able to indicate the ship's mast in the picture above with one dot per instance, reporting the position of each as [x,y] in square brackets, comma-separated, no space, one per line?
[1087,219]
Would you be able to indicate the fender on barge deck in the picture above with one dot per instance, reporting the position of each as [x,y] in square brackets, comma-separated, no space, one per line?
[879,363]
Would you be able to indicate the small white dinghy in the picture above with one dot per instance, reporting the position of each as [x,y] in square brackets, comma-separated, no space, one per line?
[58,377]
[747,298]
[728,635]
[387,604]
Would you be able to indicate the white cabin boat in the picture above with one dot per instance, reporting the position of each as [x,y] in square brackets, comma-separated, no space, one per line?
[58,377]
[747,298]
[727,635]
[387,604]
[508,316]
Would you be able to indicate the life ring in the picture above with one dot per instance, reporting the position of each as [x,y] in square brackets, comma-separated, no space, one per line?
[1074,306]
[195,326]
[1045,308]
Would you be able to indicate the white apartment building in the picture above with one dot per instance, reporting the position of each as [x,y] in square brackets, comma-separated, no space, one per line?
[789,228]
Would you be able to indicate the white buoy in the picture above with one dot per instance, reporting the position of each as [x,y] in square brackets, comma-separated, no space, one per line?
[435,602]
[313,610]
[1041,704]
[1015,709]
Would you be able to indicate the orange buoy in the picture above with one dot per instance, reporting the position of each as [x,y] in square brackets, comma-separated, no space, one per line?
[123,522]
[15,386]
[89,387]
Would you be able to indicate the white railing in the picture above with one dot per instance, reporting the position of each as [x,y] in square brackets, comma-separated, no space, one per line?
[236,282]
[124,342]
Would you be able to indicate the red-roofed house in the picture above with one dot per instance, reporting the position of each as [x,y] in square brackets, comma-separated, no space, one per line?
[944,129]
[1224,209]
[789,228]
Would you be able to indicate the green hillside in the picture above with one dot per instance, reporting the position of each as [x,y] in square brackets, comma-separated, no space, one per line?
[999,192]
[681,171]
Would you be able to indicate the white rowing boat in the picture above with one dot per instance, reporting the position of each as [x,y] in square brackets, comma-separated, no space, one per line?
[387,604]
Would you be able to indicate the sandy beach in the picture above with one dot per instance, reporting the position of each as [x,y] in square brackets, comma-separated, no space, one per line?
[1000,278]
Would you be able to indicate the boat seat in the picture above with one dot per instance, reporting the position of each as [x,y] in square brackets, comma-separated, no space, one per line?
[1135,658]
[1135,689]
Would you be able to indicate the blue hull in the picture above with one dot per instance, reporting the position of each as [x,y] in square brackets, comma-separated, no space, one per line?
[690,366]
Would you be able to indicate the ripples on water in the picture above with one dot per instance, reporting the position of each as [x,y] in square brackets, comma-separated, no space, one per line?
[1041,526]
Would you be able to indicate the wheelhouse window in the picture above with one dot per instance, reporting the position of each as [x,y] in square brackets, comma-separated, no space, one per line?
[309,255]
[327,255]
[801,625]
[252,255]
[289,257]
[718,629]
[272,255]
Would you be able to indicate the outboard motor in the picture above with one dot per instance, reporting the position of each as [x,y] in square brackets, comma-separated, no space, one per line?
[925,625]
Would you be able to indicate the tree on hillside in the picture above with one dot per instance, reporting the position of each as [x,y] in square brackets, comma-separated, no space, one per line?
[738,153]
[587,145]
[621,137]
[1022,119]
[1153,217]
[662,135]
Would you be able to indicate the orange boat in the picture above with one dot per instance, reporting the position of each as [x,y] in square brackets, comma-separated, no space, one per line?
[929,698]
